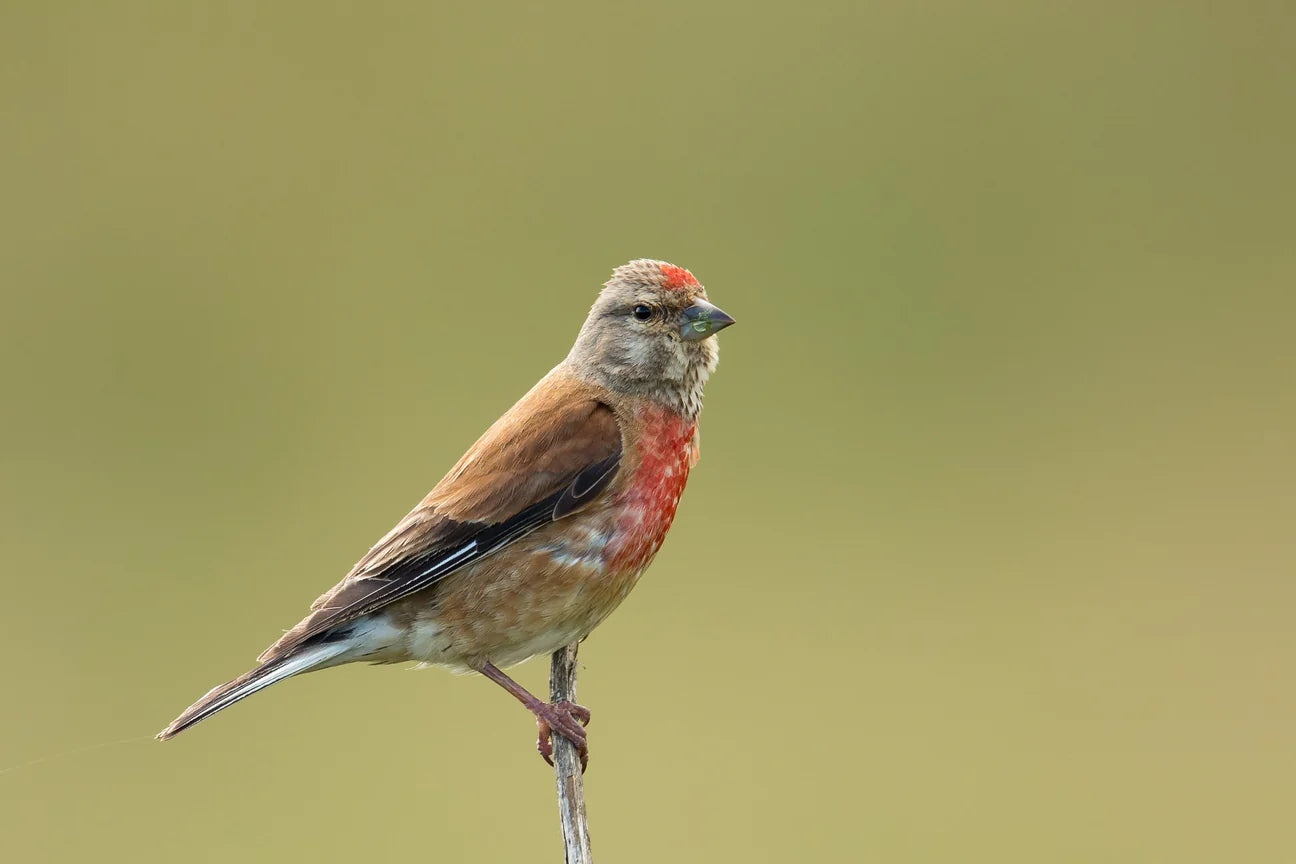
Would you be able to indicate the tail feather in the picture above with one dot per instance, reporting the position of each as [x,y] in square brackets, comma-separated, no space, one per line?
[219,698]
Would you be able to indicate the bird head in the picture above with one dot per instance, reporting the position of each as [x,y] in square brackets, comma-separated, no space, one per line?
[650,332]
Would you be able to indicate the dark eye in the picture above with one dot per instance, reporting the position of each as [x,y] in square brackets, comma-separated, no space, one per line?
[642,312]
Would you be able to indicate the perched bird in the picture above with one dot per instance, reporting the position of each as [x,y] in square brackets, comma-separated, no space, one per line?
[544,525]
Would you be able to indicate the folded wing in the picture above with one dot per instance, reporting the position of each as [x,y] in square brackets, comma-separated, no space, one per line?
[548,457]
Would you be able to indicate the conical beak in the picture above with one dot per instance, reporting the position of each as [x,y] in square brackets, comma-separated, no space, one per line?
[701,320]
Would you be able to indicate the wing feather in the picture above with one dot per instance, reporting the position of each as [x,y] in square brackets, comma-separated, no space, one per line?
[549,456]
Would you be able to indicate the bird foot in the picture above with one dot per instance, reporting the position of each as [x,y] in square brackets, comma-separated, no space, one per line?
[567,719]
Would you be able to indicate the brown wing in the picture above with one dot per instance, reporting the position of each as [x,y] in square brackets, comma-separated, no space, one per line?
[548,456]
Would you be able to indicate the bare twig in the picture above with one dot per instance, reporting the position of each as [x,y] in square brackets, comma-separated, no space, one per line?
[567,766]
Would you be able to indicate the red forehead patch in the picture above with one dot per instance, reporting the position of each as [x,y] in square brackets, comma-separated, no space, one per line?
[677,278]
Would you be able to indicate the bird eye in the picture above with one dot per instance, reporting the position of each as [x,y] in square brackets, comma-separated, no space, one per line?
[642,312]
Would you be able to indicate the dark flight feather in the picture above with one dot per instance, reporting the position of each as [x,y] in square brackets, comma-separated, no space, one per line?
[538,473]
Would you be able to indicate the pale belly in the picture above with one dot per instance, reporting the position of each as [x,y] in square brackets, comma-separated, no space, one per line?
[531,610]
[547,591]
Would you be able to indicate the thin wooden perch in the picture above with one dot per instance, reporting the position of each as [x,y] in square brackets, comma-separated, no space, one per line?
[567,766]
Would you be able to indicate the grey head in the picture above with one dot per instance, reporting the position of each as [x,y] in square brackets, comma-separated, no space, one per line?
[651,333]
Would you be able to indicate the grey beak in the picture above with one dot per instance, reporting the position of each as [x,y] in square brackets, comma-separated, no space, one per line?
[701,320]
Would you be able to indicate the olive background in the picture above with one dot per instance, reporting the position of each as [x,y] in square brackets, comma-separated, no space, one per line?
[989,556]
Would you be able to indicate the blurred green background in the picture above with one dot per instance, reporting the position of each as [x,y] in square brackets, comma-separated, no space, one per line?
[990,553]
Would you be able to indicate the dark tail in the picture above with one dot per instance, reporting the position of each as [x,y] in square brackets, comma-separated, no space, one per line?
[219,698]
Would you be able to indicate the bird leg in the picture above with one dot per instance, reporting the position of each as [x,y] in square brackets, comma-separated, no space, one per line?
[566,718]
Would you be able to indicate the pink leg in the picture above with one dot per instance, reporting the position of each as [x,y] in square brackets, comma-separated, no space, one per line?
[566,718]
